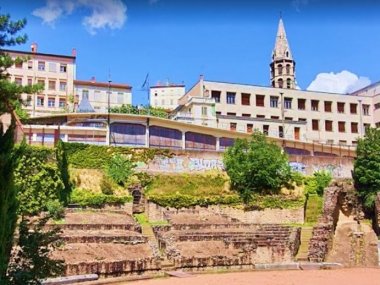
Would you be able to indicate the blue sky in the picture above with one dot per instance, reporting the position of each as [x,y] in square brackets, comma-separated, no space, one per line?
[226,40]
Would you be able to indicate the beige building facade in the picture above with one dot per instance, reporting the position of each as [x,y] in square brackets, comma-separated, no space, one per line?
[282,111]
[96,93]
[56,73]
[166,96]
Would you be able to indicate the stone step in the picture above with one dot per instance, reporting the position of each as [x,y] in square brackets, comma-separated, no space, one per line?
[303,251]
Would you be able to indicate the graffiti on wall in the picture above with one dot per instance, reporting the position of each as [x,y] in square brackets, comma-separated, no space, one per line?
[336,170]
[298,166]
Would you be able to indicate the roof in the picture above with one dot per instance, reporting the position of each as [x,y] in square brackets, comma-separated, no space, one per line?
[168,86]
[102,84]
[281,48]
[85,106]
[37,53]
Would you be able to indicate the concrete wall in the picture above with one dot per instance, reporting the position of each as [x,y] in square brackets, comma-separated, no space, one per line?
[195,161]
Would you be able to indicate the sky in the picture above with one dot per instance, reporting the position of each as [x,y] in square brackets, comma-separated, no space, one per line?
[335,43]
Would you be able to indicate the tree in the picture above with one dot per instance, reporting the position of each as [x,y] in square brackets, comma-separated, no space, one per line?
[366,172]
[31,260]
[63,167]
[256,166]
[119,169]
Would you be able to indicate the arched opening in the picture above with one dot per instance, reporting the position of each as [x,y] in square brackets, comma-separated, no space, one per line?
[279,67]
[288,83]
[280,83]
[288,69]
[273,84]
[287,54]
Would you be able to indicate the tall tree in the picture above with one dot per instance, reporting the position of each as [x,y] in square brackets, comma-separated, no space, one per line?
[366,172]
[10,98]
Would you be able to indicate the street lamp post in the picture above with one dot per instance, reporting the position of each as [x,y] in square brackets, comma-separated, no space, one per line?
[282,117]
[109,112]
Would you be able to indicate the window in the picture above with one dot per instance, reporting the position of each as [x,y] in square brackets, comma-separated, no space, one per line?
[29,100]
[366,127]
[288,119]
[62,103]
[274,101]
[120,98]
[97,96]
[280,131]
[354,142]
[354,128]
[342,127]
[353,108]
[18,64]
[51,85]
[315,125]
[30,81]
[301,104]
[41,65]
[246,115]
[288,103]
[218,113]
[62,85]
[231,114]
[260,116]
[51,102]
[288,69]
[204,111]
[330,142]
[260,100]
[84,94]
[340,107]
[365,110]
[342,142]
[63,67]
[288,83]
[18,81]
[266,130]
[377,106]
[171,102]
[232,126]
[275,117]
[328,106]
[231,97]
[215,95]
[314,105]
[302,119]
[162,102]
[30,64]
[52,67]
[245,99]
[41,82]
[249,128]
[280,83]
[280,69]
[328,126]
[40,101]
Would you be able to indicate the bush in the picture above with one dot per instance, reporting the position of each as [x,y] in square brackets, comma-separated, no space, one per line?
[85,198]
[119,169]
[106,186]
[297,178]
[55,209]
[256,165]
[317,183]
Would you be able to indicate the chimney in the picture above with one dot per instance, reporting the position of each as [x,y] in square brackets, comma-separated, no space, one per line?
[34,47]
[93,79]
[74,52]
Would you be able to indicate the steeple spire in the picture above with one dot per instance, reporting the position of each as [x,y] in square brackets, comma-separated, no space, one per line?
[281,47]
[282,66]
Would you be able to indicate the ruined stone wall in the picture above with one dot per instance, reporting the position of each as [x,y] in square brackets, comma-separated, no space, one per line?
[377,214]
[266,216]
[196,161]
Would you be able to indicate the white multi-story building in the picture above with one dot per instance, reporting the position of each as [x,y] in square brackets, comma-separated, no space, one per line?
[281,110]
[166,96]
[96,93]
[54,72]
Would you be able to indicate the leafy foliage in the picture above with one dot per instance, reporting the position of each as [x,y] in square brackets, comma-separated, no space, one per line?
[119,169]
[31,258]
[106,186]
[256,166]
[366,172]
[316,183]
[86,198]
[37,182]
[145,110]
[63,168]
[55,209]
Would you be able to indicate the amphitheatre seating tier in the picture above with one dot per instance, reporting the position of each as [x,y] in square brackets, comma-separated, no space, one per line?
[103,236]
[196,217]
[106,258]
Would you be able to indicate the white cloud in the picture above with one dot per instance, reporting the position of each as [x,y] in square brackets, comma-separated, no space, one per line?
[298,3]
[342,82]
[110,14]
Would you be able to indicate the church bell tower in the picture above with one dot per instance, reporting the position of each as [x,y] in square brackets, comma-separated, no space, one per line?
[282,67]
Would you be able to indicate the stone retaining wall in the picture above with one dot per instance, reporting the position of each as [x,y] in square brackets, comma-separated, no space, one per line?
[266,216]
[377,214]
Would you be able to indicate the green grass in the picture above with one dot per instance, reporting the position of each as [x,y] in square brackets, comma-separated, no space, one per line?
[143,220]
[314,208]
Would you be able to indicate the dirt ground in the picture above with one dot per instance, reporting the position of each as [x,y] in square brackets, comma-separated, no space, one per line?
[352,276]
[89,217]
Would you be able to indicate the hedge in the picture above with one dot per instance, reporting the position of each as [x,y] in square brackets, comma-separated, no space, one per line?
[86,198]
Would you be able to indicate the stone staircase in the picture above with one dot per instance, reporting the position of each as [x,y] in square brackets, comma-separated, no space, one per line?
[306,234]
